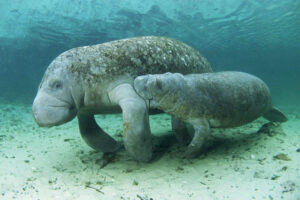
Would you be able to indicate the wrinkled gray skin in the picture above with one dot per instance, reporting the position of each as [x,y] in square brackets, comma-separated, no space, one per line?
[223,99]
[98,79]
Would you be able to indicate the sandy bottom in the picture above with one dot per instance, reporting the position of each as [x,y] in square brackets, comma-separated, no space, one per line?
[55,163]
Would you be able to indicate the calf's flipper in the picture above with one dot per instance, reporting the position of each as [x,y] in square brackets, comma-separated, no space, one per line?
[180,130]
[201,132]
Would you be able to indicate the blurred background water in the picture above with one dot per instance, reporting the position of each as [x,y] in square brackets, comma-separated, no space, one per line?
[261,37]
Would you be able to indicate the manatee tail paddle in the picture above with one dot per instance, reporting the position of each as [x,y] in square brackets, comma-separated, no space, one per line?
[274,115]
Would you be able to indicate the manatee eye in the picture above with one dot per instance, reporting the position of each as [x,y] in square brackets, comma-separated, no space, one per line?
[160,88]
[56,85]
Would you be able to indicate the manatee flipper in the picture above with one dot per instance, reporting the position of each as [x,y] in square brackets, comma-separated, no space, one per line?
[275,115]
[136,128]
[181,132]
[201,131]
[94,136]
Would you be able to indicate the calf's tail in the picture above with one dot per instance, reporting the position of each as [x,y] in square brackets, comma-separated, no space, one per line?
[275,115]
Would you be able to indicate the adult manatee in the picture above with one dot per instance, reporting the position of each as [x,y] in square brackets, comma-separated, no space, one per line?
[98,79]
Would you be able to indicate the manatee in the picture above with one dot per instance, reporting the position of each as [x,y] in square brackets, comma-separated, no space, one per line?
[98,79]
[208,100]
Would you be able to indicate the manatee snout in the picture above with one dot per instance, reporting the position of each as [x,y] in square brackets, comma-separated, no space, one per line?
[49,111]
[141,86]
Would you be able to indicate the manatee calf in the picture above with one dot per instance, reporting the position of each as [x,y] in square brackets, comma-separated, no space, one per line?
[223,99]
[98,79]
